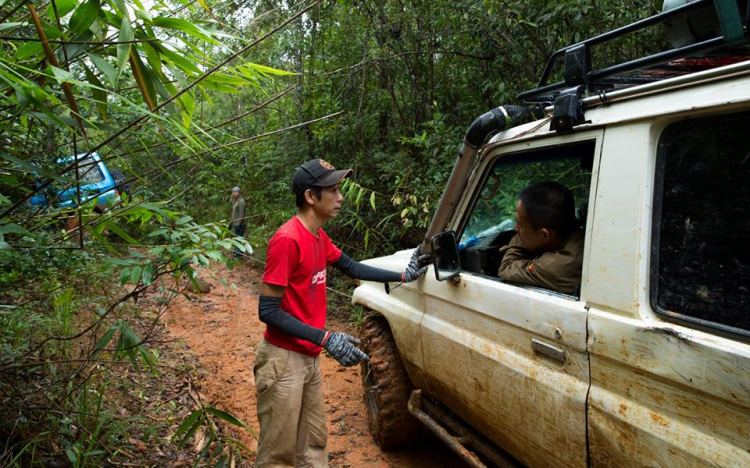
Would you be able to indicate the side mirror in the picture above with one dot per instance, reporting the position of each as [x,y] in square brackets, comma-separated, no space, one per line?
[445,255]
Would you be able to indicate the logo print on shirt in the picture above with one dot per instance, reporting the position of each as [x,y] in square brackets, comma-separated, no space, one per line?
[319,278]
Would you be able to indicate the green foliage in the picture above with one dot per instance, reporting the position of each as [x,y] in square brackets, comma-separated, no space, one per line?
[53,400]
[130,82]
[216,449]
[411,77]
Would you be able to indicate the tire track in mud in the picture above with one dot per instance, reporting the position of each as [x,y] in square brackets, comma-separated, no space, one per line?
[222,329]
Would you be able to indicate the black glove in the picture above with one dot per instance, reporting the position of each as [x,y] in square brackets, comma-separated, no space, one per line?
[413,270]
[341,348]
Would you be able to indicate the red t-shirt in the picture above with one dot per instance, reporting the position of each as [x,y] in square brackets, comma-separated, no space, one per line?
[297,260]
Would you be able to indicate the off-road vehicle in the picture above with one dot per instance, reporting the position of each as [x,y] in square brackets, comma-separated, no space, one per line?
[96,182]
[648,364]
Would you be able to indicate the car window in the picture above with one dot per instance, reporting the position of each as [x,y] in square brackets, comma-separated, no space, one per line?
[89,172]
[492,220]
[701,249]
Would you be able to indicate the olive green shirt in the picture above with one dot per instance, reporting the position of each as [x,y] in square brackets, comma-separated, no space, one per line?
[559,270]
[238,213]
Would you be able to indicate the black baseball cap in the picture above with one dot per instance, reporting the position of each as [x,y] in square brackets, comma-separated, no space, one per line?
[317,173]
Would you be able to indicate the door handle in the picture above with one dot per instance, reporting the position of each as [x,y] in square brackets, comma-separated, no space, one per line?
[548,350]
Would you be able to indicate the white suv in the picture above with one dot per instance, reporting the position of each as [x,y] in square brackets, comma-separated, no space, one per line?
[649,364]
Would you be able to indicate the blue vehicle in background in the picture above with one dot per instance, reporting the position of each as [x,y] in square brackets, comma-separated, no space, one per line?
[97,182]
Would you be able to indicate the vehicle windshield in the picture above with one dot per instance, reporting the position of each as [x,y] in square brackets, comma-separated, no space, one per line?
[496,208]
[89,172]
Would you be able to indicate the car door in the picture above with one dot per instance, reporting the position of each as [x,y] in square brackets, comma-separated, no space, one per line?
[511,360]
[669,328]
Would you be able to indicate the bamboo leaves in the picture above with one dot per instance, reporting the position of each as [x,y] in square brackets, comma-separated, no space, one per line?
[186,27]
[84,16]
[105,67]
[128,344]
[123,49]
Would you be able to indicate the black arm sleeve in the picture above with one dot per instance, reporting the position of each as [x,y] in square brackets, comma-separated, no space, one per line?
[364,272]
[269,310]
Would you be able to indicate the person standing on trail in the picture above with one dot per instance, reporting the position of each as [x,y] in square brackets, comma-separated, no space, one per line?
[292,304]
[237,221]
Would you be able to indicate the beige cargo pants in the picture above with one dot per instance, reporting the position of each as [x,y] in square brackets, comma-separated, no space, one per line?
[290,409]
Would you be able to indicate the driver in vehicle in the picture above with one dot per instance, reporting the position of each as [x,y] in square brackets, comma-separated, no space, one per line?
[547,250]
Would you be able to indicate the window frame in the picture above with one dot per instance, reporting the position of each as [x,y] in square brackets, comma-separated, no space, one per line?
[715,328]
[484,173]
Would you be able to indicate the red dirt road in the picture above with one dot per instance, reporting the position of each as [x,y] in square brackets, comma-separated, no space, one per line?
[222,329]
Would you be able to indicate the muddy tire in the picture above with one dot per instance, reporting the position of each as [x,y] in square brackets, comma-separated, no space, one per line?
[387,387]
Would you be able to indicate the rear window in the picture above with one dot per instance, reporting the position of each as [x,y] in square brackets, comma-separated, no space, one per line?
[701,250]
[89,172]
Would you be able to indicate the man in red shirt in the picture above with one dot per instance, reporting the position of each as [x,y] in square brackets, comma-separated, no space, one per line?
[292,304]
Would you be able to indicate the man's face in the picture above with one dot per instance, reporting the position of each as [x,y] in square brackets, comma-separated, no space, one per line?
[235,194]
[329,204]
[532,239]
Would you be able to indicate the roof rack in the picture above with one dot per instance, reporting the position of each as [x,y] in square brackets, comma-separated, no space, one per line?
[577,64]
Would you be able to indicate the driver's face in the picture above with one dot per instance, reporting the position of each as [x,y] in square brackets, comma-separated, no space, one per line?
[532,239]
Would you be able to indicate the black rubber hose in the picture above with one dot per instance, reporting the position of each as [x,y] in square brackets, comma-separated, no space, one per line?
[498,119]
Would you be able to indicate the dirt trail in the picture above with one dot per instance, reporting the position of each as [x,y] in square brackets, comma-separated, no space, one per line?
[222,329]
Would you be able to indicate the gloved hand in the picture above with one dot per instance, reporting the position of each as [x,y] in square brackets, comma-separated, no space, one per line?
[341,348]
[413,270]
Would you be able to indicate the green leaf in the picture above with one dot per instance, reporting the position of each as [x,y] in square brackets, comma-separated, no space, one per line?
[63,8]
[31,168]
[184,26]
[153,58]
[30,49]
[71,455]
[267,70]
[205,6]
[148,275]
[152,81]
[62,76]
[105,339]
[123,50]
[120,261]
[94,453]
[122,8]
[181,62]
[105,67]
[96,231]
[135,274]
[183,220]
[372,201]
[220,87]
[13,229]
[97,90]
[187,423]
[122,234]
[124,275]
[144,15]
[359,197]
[226,417]
[84,16]
[5,27]
[157,232]
[191,424]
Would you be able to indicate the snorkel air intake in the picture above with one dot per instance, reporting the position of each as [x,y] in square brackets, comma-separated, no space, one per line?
[479,132]
[498,119]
